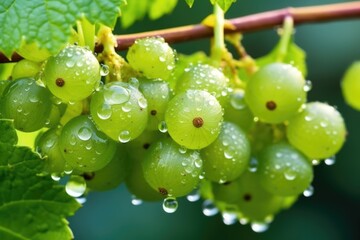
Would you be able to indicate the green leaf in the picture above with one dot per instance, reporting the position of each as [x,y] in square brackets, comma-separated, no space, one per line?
[7,132]
[31,206]
[294,56]
[49,22]
[138,9]
[224,4]
[190,2]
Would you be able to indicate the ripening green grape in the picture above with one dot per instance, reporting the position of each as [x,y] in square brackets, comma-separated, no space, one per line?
[33,52]
[276,92]
[251,199]
[110,176]
[350,85]
[3,86]
[120,111]
[72,110]
[318,131]
[135,181]
[171,169]
[157,94]
[152,57]
[194,119]
[84,147]
[283,170]
[25,68]
[73,74]
[204,77]
[56,113]
[237,111]
[28,103]
[228,156]
[47,144]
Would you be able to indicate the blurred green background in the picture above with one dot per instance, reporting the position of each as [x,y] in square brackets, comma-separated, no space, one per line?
[332,213]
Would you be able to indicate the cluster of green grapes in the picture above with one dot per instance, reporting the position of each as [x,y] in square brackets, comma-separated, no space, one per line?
[176,129]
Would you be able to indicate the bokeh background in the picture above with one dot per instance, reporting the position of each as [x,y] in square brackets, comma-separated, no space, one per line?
[332,213]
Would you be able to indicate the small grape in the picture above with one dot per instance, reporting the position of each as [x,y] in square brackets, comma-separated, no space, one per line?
[28,103]
[276,92]
[318,131]
[25,68]
[170,169]
[110,176]
[84,147]
[33,52]
[120,111]
[73,74]
[152,57]
[283,170]
[228,156]
[351,85]
[204,77]
[157,94]
[194,119]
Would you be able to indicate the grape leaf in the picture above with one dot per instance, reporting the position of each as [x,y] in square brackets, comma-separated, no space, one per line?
[31,206]
[224,4]
[137,9]
[49,22]
[294,56]
[7,132]
[190,2]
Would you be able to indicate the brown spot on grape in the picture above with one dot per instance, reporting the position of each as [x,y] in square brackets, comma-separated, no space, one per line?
[271,105]
[247,197]
[163,191]
[153,112]
[88,176]
[227,183]
[146,145]
[198,122]
[60,82]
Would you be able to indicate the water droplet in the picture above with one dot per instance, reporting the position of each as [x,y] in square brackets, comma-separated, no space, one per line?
[50,142]
[253,164]
[290,174]
[170,204]
[330,161]
[193,196]
[162,127]
[309,191]
[209,208]
[198,162]
[116,95]
[243,221]
[124,136]
[84,133]
[237,100]
[81,200]
[104,112]
[308,118]
[182,149]
[307,86]
[229,152]
[229,218]
[315,162]
[259,227]
[142,102]
[76,186]
[134,82]
[136,201]
[104,70]
[56,176]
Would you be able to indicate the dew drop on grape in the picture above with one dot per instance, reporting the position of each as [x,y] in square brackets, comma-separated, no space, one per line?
[330,161]
[124,136]
[104,70]
[229,218]
[116,95]
[309,191]
[76,186]
[162,127]
[170,204]
[209,209]
[136,201]
[259,226]
[84,133]
[193,196]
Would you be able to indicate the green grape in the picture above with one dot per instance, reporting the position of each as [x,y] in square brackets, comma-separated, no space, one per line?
[47,144]
[25,68]
[32,52]
[28,103]
[228,156]
[194,119]
[120,111]
[84,147]
[72,110]
[276,92]
[237,111]
[73,74]
[251,200]
[3,86]
[110,176]
[318,131]
[283,170]
[204,77]
[350,85]
[135,181]
[152,57]
[171,169]
[157,94]
[56,113]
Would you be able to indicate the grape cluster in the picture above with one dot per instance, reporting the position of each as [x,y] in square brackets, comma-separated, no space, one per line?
[177,128]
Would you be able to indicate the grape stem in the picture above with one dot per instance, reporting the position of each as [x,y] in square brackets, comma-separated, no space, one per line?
[218,47]
[286,34]
[250,23]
